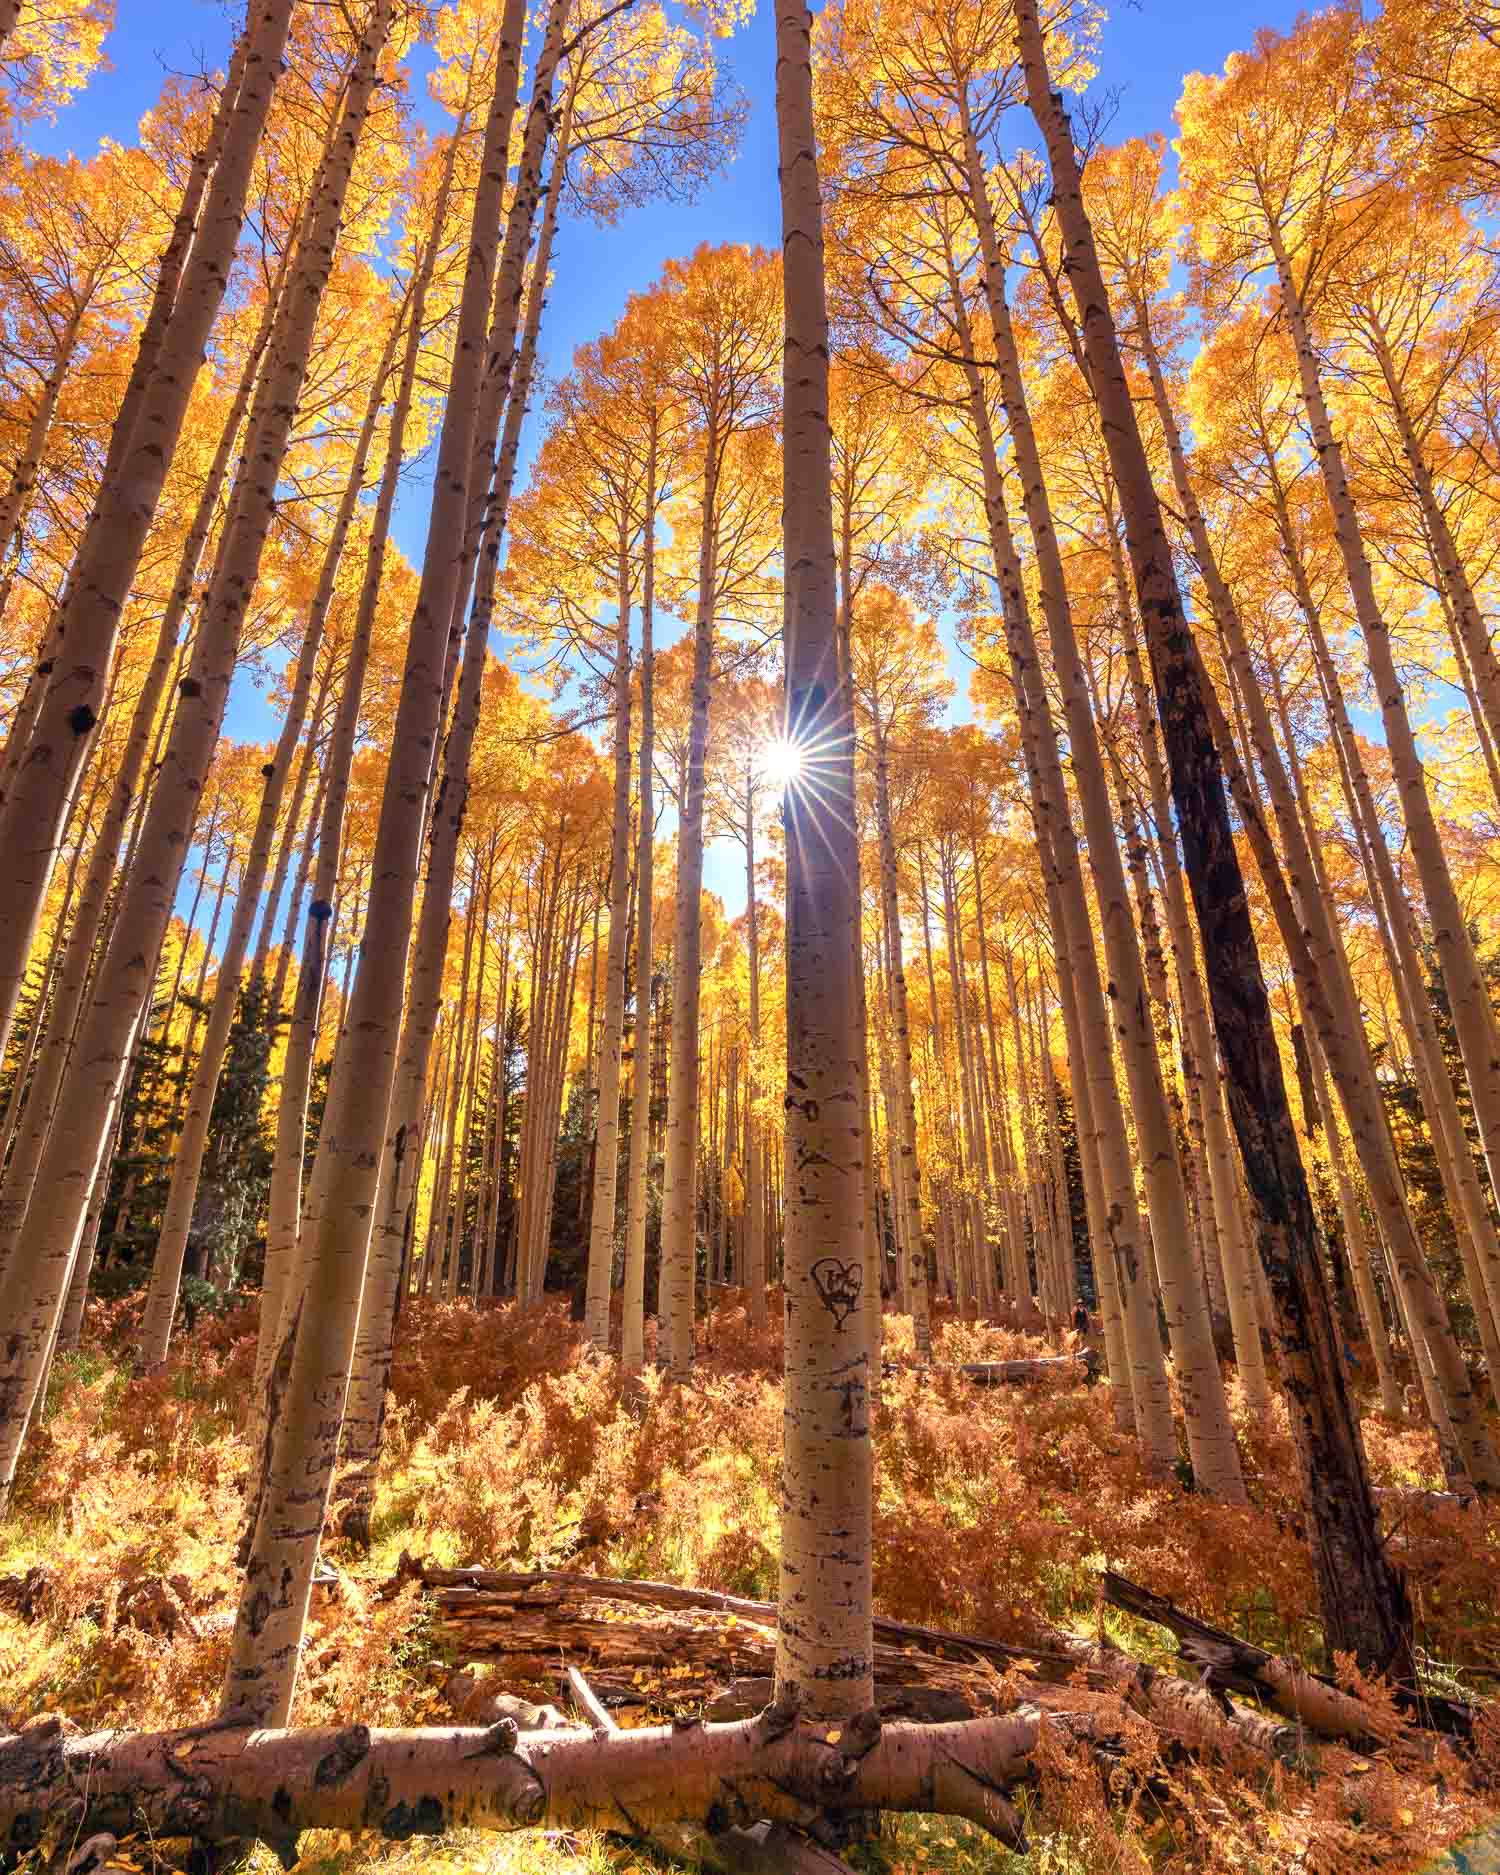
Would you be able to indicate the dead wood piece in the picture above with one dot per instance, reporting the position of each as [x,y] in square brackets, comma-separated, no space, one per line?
[773,1849]
[531,1621]
[589,1702]
[1185,1710]
[1238,1666]
[482,1702]
[662,1656]
[923,1705]
[550,1588]
[1022,1372]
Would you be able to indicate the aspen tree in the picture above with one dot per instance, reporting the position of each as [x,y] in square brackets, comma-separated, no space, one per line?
[633,1279]
[84,633]
[1120,1243]
[824,1648]
[1326,989]
[612,1029]
[372,1351]
[291,1116]
[725,303]
[36,1279]
[1363,1600]
[1292,231]
[1205,1412]
[311,1368]
[166,1269]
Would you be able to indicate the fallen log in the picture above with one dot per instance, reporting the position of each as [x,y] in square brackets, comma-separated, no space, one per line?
[1234,1665]
[694,1640]
[541,1587]
[671,1657]
[219,1783]
[1021,1372]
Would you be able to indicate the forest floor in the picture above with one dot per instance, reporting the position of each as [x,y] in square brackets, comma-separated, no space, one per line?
[510,1446]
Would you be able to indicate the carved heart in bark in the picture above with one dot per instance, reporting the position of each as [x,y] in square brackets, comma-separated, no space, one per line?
[838,1286]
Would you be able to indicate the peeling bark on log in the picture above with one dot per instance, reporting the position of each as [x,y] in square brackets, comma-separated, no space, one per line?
[216,1783]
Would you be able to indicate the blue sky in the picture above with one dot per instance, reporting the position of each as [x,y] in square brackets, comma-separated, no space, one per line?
[1147,49]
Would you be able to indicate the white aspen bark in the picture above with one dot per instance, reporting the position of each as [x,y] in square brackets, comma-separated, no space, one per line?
[147,720]
[35,1281]
[914,1262]
[310,1370]
[276,1002]
[612,1027]
[1473,1018]
[364,1416]
[296,824]
[1357,1243]
[1210,1433]
[192,1141]
[143,365]
[1327,991]
[1468,620]
[755,1218]
[825,1646]
[1122,1244]
[302,1030]
[1199,1051]
[56,953]
[633,1283]
[465,1151]
[36,803]
[1474,1226]
[679,1211]
[488,1270]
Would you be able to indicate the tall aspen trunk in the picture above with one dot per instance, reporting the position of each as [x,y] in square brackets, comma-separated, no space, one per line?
[612,1027]
[56,952]
[192,1143]
[633,1282]
[293,921]
[310,1370]
[824,1650]
[1123,1243]
[679,1246]
[148,720]
[302,1030]
[1328,992]
[909,1165]
[1210,1433]
[365,1406]
[35,1282]
[1363,1599]
[1473,1225]
[1356,1239]
[466,1150]
[1466,1199]
[1198,1049]
[36,803]
[1473,1018]
[1468,620]
[754,1274]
